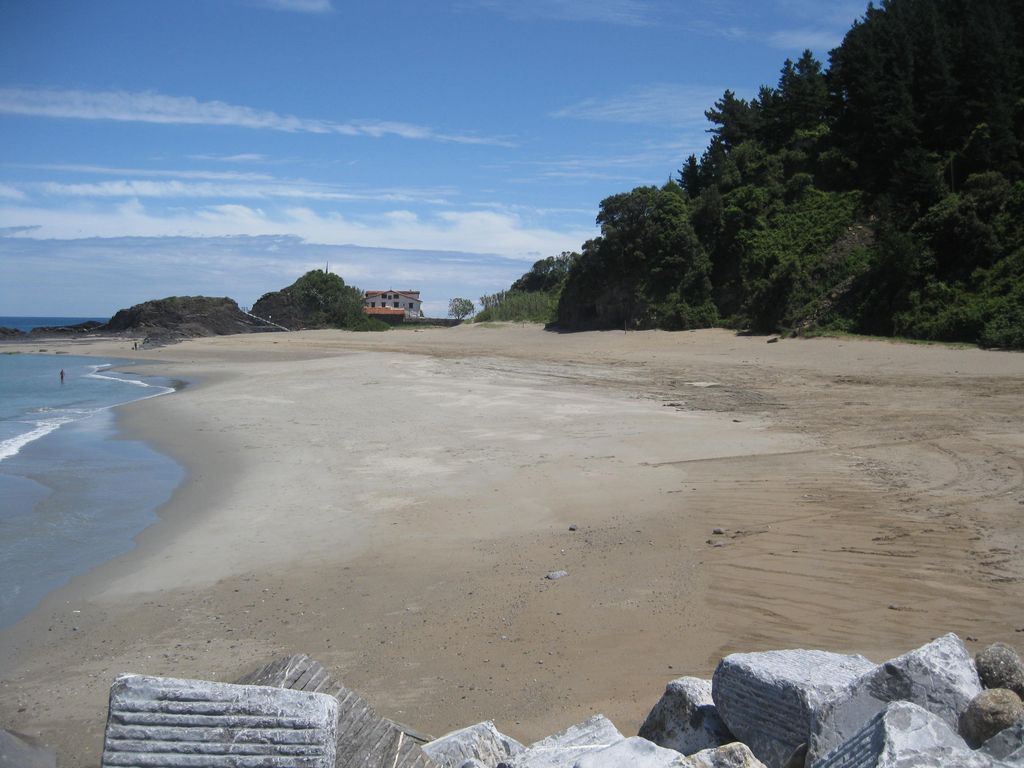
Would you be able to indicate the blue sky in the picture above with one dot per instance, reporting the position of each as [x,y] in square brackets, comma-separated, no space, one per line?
[223,147]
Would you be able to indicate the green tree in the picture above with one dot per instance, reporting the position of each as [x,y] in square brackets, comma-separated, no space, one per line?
[460,309]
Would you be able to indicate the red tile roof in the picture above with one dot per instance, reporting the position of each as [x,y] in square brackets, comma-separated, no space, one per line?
[383,311]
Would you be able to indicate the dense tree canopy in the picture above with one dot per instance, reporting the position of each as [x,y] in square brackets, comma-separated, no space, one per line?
[884,194]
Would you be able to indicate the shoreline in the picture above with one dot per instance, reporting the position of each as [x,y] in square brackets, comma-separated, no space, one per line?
[414,568]
[91,484]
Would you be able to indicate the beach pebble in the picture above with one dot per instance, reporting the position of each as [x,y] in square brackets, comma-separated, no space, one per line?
[718,531]
[990,712]
[553,575]
[573,527]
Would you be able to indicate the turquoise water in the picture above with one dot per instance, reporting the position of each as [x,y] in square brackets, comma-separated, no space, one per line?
[73,494]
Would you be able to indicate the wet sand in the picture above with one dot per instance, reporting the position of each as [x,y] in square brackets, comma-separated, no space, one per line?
[390,504]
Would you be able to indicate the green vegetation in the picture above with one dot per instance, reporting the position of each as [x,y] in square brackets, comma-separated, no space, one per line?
[318,299]
[460,309]
[883,195]
[533,298]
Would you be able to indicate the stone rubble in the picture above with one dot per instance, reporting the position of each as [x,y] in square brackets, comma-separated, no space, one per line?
[773,709]
[768,699]
[685,718]
[903,735]
[481,742]
[939,676]
[564,748]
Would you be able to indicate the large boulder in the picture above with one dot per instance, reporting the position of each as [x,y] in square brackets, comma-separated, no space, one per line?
[635,752]
[939,676]
[767,699]
[566,747]
[481,742]
[685,718]
[999,666]
[165,722]
[1007,745]
[993,710]
[735,755]
[903,735]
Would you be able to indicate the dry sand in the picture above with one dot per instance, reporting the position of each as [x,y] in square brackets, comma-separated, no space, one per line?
[390,504]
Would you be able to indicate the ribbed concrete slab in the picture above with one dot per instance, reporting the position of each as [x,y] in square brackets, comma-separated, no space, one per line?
[163,722]
[365,740]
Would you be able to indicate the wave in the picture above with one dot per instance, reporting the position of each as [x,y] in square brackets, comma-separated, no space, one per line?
[95,374]
[57,417]
[12,445]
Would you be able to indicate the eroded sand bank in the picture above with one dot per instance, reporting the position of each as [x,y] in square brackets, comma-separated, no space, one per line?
[390,504]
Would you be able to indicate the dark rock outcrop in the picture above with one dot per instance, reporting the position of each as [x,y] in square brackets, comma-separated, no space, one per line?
[184,317]
[67,330]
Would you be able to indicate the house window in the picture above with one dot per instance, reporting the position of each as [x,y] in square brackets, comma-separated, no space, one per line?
[373,303]
[396,305]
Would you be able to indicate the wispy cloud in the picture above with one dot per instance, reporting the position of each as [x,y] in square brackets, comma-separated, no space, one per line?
[663,104]
[97,276]
[504,234]
[151,107]
[299,6]
[814,39]
[632,13]
[7,192]
[284,189]
[242,157]
[157,173]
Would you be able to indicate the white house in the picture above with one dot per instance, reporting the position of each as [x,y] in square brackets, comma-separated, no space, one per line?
[407,301]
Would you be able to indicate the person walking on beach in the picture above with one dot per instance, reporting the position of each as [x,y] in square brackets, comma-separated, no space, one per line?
[61,375]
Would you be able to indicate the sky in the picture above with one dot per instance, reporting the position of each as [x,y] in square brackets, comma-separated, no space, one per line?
[151,148]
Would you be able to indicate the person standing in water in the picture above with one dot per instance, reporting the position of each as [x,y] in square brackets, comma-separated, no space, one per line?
[61,375]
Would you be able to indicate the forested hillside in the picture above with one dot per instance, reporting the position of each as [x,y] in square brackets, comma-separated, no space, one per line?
[883,194]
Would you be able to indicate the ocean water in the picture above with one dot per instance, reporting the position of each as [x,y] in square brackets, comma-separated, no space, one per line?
[28,323]
[73,494]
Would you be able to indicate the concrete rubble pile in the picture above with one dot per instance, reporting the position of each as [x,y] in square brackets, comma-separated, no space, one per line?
[933,706]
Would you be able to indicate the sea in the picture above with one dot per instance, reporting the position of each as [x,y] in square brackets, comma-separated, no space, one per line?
[73,492]
[28,323]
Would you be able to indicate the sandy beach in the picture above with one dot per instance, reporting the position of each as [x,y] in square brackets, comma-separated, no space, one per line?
[390,504]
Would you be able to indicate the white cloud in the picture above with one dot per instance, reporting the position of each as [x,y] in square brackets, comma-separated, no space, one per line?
[504,234]
[7,192]
[663,104]
[150,107]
